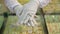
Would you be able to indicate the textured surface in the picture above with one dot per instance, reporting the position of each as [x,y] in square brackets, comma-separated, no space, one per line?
[52,21]
[53,7]
[2,7]
[22,29]
[53,24]
[1,20]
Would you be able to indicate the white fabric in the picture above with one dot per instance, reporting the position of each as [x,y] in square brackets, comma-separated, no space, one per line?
[26,12]
[18,10]
[11,4]
[43,3]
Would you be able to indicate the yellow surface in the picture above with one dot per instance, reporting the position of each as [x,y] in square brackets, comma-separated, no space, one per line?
[23,1]
[53,6]
[53,28]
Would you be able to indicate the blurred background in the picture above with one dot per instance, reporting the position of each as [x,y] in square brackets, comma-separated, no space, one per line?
[48,19]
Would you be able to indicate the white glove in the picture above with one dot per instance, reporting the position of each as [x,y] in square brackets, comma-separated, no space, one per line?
[11,4]
[18,10]
[29,10]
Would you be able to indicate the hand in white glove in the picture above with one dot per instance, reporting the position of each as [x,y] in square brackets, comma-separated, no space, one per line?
[29,10]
